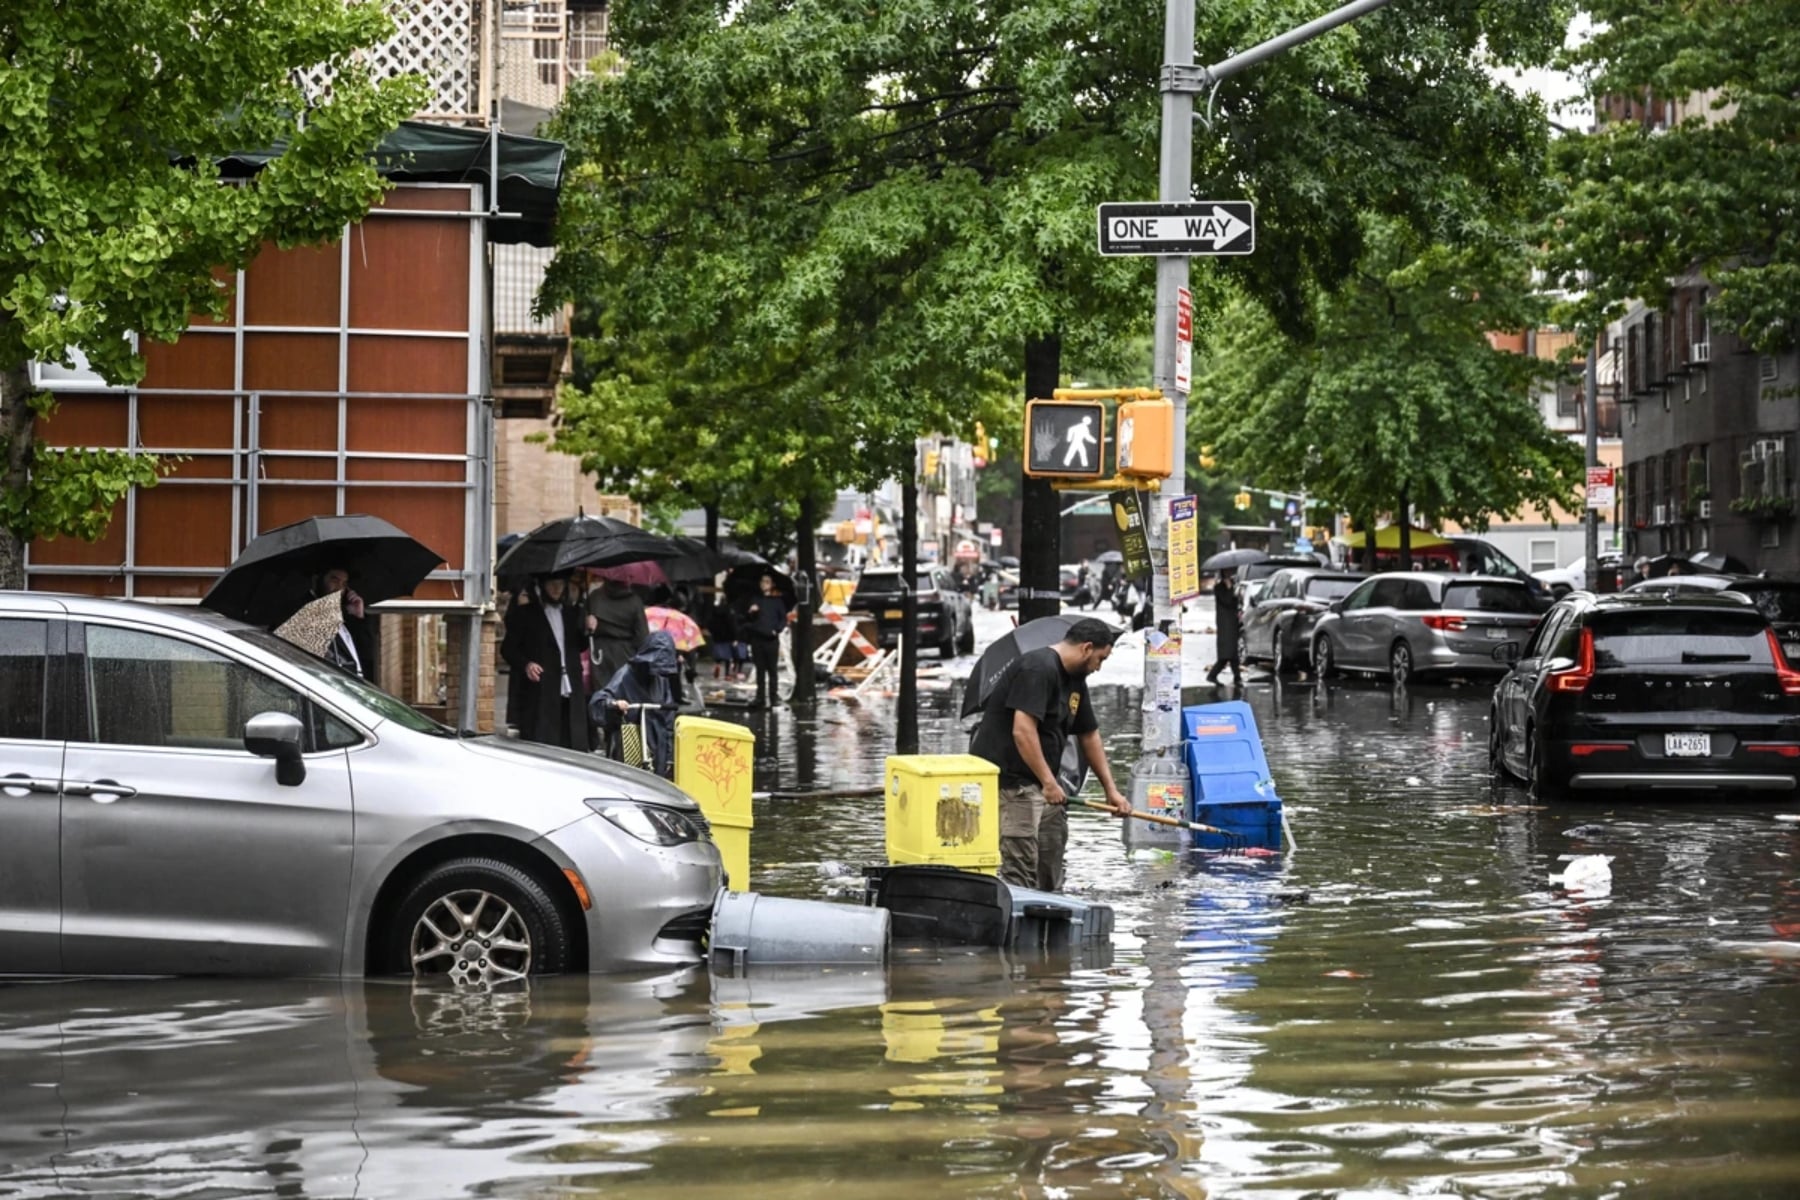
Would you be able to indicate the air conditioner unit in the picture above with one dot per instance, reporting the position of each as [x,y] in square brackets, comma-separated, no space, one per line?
[1705,510]
[1700,352]
[1661,515]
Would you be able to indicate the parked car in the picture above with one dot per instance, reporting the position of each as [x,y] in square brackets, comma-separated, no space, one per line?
[1407,624]
[1776,599]
[1279,629]
[1254,578]
[1478,556]
[1645,690]
[946,617]
[1573,577]
[183,794]
[1667,584]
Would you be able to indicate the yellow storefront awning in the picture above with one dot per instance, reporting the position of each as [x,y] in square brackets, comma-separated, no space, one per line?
[1388,538]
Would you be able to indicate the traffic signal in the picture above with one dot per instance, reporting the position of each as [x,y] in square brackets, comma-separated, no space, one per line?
[1147,439]
[1207,461]
[981,445]
[1065,438]
[1241,500]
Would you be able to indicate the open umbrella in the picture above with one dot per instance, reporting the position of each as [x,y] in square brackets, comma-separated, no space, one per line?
[583,541]
[636,574]
[276,573]
[1109,556]
[1715,561]
[1231,560]
[677,625]
[697,564]
[991,668]
[315,626]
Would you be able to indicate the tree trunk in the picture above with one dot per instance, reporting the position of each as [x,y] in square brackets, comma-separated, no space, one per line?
[1405,532]
[1040,532]
[806,547]
[17,426]
[906,725]
[1368,525]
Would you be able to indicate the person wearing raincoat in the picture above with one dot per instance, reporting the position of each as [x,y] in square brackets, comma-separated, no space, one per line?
[543,645]
[652,676]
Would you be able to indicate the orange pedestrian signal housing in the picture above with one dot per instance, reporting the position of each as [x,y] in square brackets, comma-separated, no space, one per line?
[1146,439]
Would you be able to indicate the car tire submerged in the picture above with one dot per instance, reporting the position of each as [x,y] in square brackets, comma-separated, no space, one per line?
[1400,663]
[1543,789]
[477,922]
[1323,659]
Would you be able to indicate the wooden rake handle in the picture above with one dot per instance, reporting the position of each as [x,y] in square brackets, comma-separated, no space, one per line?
[1156,819]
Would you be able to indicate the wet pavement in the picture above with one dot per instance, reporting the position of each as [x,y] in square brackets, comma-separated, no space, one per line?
[1407,1006]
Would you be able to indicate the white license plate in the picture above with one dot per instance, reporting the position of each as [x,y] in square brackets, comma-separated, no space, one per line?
[1687,745]
[1496,632]
[1792,650]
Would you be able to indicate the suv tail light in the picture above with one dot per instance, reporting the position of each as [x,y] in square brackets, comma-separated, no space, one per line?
[1444,624]
[1577,677]
[1788,677]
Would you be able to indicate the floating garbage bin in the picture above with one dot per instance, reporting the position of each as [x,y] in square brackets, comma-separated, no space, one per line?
[750,930]
[1231,784]
[943,809]
[713,763]
[953,907]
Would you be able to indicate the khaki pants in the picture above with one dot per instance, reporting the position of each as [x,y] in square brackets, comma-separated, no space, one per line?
[1034,835]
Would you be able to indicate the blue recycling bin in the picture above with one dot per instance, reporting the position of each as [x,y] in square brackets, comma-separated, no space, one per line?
[1230,784]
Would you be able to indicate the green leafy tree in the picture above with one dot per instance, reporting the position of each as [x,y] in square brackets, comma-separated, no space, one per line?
[1397,398]
[1716,192]
[113,219]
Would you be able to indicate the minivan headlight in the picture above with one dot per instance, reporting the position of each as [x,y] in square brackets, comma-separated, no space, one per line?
[649,822]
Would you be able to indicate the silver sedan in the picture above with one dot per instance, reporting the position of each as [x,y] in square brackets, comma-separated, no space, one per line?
[183,794]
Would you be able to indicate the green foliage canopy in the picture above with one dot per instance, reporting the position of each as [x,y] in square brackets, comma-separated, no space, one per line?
[1716,193]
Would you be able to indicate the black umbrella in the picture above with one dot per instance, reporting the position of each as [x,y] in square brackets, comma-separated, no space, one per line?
[1719,563]
[1231,560]
[1663,564]
[745,580]
[698,564]
[276,574]
[991,668]
[583,541]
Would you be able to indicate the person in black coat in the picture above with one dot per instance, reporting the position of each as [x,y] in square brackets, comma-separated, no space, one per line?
[1225,620]
[765,617]
[651,677]
[543,645]
[354,647]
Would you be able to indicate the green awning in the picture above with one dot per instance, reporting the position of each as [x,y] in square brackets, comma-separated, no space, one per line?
[419,152]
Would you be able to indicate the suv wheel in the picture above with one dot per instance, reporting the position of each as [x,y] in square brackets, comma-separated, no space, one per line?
[1400,663]
[1324,661]
[476,922]
[1497,748]
[1278,662]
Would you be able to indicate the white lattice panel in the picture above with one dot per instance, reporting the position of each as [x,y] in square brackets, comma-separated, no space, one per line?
[433,38]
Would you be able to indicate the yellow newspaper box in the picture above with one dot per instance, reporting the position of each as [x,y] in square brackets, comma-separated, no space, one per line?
[713,762]
[943,809]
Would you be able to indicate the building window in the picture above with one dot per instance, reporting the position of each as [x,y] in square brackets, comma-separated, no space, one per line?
[587,37]
[1569,394]
[1543,555]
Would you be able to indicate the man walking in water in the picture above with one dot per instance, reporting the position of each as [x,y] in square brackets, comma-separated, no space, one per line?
[1040,701]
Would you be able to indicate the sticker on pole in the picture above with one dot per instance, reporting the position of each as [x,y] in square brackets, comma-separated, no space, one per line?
[1200,227]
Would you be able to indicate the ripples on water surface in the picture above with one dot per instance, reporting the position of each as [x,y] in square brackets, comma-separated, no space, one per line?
[1406,1007]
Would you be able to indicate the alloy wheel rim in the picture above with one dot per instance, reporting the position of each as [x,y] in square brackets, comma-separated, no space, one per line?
[1401,662]
[473,938]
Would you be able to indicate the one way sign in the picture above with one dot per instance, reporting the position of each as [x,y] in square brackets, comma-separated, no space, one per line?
[1200,227]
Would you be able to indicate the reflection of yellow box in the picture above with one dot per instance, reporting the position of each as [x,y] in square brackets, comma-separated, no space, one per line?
[713,764]
[943,809]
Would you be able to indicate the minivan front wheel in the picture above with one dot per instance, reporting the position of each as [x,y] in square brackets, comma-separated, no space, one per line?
[1323,667]
[476,922]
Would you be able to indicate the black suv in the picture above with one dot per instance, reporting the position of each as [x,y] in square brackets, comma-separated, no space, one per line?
[946,617]
[1639,690]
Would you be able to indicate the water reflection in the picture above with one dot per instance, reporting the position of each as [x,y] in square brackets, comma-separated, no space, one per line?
[1407,1006]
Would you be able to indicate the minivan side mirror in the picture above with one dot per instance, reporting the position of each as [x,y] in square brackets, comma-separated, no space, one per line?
[278,736]
[1336,605]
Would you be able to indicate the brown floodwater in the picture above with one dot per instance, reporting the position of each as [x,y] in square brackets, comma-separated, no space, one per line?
[1407,1006]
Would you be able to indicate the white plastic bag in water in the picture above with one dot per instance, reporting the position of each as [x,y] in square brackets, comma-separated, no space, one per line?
[1587,874]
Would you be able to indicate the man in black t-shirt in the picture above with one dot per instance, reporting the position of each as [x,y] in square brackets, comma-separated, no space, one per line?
[1039,703]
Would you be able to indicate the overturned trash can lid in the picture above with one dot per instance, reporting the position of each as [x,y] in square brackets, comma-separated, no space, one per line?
[749,929]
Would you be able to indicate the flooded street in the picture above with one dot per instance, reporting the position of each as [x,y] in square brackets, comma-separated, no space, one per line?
[1405,1007]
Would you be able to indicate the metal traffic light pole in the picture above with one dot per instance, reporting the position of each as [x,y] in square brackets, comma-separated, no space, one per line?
[1181,82]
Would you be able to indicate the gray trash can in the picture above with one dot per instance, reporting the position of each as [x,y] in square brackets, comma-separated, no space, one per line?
[749,929]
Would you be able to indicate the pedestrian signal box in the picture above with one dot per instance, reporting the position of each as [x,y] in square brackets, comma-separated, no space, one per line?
[1065,439]
[1147,439]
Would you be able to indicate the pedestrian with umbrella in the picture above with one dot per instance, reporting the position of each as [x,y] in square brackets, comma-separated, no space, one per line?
[353,643]
[1226,619]
[284,569]
[543,648]
[616,625]
[650,683]
[1032,707]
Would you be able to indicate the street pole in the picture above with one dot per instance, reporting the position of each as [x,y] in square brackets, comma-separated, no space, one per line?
[1591,418]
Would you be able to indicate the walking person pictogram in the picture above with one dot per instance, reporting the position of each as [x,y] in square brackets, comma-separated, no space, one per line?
[1079,437]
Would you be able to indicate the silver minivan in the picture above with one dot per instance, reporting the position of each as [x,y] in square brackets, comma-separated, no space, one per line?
[183,794]
[1406,624]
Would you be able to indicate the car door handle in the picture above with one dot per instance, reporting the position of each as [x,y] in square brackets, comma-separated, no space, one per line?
[21,784]
[103,791]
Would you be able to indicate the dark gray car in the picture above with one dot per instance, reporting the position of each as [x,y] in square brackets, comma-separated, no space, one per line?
[1405,624]
[1278,630]
[183,794]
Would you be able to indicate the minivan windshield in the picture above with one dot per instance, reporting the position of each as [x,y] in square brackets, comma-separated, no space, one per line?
[363,694]
[1324,588]
[1643,639]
